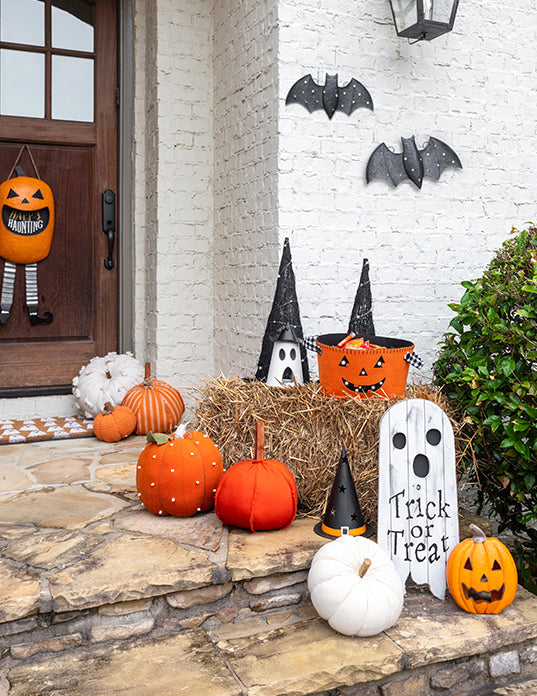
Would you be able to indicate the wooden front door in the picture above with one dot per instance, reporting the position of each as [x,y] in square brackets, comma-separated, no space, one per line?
[58,97]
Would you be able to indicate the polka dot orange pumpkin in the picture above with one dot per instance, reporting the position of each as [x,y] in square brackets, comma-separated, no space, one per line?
[158,407]
[257,494]
[178,476]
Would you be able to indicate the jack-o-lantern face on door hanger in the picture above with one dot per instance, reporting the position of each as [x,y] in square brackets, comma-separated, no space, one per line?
[349,372]
[27,219]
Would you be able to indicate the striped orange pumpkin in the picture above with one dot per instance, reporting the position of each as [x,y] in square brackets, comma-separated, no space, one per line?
[158,407]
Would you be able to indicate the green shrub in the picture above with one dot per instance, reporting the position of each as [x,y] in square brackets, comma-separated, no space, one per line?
[487,368]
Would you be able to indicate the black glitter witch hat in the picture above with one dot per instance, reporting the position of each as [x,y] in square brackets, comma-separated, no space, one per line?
[342,509]
[285,310]
[361,321]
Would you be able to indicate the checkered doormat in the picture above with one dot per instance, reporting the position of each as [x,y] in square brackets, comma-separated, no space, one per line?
[31,430]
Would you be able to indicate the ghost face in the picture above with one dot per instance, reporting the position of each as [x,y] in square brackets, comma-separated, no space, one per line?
[285,365]
[420,462]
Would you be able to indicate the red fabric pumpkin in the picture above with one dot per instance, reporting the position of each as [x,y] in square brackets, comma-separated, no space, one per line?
[158,407]
[257,494]
[178,476]
[114,423]
[26,220]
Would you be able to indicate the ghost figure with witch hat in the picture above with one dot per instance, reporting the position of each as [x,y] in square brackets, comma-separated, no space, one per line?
[284,327]
[285,368]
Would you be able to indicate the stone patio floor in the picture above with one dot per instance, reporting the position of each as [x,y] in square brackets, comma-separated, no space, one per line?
[98,596]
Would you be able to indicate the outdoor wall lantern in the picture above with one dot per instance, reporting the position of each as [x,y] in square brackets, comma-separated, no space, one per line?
[423,19]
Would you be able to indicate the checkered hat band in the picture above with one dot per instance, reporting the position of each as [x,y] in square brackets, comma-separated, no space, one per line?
[310,343]
[414,360]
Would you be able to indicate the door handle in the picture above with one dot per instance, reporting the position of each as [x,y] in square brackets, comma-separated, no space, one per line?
[109,225]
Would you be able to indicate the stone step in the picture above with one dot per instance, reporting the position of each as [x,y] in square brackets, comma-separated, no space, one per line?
[434,649]
[519,687]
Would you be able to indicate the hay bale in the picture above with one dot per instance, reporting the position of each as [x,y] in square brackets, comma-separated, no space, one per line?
[305,429]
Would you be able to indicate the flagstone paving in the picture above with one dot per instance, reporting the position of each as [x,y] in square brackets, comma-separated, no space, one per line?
[100,597]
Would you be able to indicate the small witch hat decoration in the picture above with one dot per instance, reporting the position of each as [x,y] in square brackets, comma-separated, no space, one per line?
[285,311]
[361,321]
[342,512]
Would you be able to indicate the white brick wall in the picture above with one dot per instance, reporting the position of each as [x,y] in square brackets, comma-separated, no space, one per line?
[475,92]
[224,171]
[173,188]
[246,178]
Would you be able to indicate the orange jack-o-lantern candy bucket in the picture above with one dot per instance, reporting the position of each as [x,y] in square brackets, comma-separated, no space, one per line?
[26,219]
[381,369]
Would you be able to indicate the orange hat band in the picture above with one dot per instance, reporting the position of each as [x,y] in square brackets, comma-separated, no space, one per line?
[337,532]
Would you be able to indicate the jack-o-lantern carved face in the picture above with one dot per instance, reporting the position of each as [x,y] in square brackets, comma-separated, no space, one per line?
[481,574]
[27,219]
[347,372]
[366,387]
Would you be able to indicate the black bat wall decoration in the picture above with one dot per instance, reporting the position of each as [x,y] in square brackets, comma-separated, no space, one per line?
[329,97]
[412,163]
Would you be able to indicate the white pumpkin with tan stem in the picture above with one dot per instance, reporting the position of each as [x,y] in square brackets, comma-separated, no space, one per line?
[105,379]
[354,586]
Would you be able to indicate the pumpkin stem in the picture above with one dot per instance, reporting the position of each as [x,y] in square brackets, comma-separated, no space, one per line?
[364,567]
[108,408]
[147,376]
[479,536]
[108,374]
[259,440]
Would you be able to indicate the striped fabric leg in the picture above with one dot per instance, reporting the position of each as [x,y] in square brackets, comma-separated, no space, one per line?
[32,299]
[8,286]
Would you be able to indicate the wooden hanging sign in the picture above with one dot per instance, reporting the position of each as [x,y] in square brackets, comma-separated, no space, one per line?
[417,509]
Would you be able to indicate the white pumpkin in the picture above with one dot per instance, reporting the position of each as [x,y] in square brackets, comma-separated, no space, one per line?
[355,605]
[105,379]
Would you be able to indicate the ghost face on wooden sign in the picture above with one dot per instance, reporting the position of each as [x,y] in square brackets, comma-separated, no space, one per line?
[418,512]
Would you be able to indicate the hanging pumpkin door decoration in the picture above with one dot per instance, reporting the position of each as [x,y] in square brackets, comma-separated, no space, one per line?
[26,228]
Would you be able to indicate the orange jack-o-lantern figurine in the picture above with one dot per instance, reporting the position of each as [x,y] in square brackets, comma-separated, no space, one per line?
[26,227]
[481,574]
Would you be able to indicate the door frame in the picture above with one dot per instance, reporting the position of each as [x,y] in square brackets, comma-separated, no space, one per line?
[125,176]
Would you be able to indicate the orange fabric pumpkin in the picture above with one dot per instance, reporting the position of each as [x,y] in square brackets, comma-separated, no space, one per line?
[257,494]
[345,372]
[158,407]
[27,219]
[178,476]
[114,423]
[481,574]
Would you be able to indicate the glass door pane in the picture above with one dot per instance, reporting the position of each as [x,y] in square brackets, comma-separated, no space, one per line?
[72,25]
[22,83]
[22,21]
[72,88]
